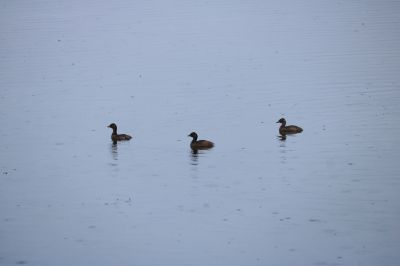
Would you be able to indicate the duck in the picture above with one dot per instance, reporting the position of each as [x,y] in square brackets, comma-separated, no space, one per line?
[283,129]
[199,144]
[115,136]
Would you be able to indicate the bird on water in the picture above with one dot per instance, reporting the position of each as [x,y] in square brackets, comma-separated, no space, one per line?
[291,129]
[199,144]
[115,136]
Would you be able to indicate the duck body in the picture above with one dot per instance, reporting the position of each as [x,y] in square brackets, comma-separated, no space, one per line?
[199,144]
[118,137]
[291,129]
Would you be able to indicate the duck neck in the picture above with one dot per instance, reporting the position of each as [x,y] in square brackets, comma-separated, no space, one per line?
[283,124]
[114,131]
[194,139]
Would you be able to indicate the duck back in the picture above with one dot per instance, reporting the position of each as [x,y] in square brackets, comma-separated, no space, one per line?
[119,137]
[290,129]
[201,144]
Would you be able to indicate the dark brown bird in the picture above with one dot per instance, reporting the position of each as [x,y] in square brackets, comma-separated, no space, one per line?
[283,129]
[199,144]
[117,137]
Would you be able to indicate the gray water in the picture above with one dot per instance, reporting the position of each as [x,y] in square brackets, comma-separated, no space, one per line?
[227,70]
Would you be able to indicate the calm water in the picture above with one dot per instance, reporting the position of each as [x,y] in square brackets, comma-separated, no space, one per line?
[228,70]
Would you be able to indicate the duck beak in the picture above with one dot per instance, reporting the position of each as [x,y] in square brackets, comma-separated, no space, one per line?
[277,122]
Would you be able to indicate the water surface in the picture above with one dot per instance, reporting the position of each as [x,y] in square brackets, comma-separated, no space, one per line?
[227,70]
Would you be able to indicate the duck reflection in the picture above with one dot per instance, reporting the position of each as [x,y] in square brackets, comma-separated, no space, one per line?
[282,137]
[114,150]
[194,156]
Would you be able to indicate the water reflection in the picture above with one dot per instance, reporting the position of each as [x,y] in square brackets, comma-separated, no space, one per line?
[282,145]
[114,150]
[285,149]
[282,137]
[194,156]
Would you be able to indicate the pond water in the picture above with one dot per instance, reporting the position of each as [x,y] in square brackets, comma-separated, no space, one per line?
[227,70]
